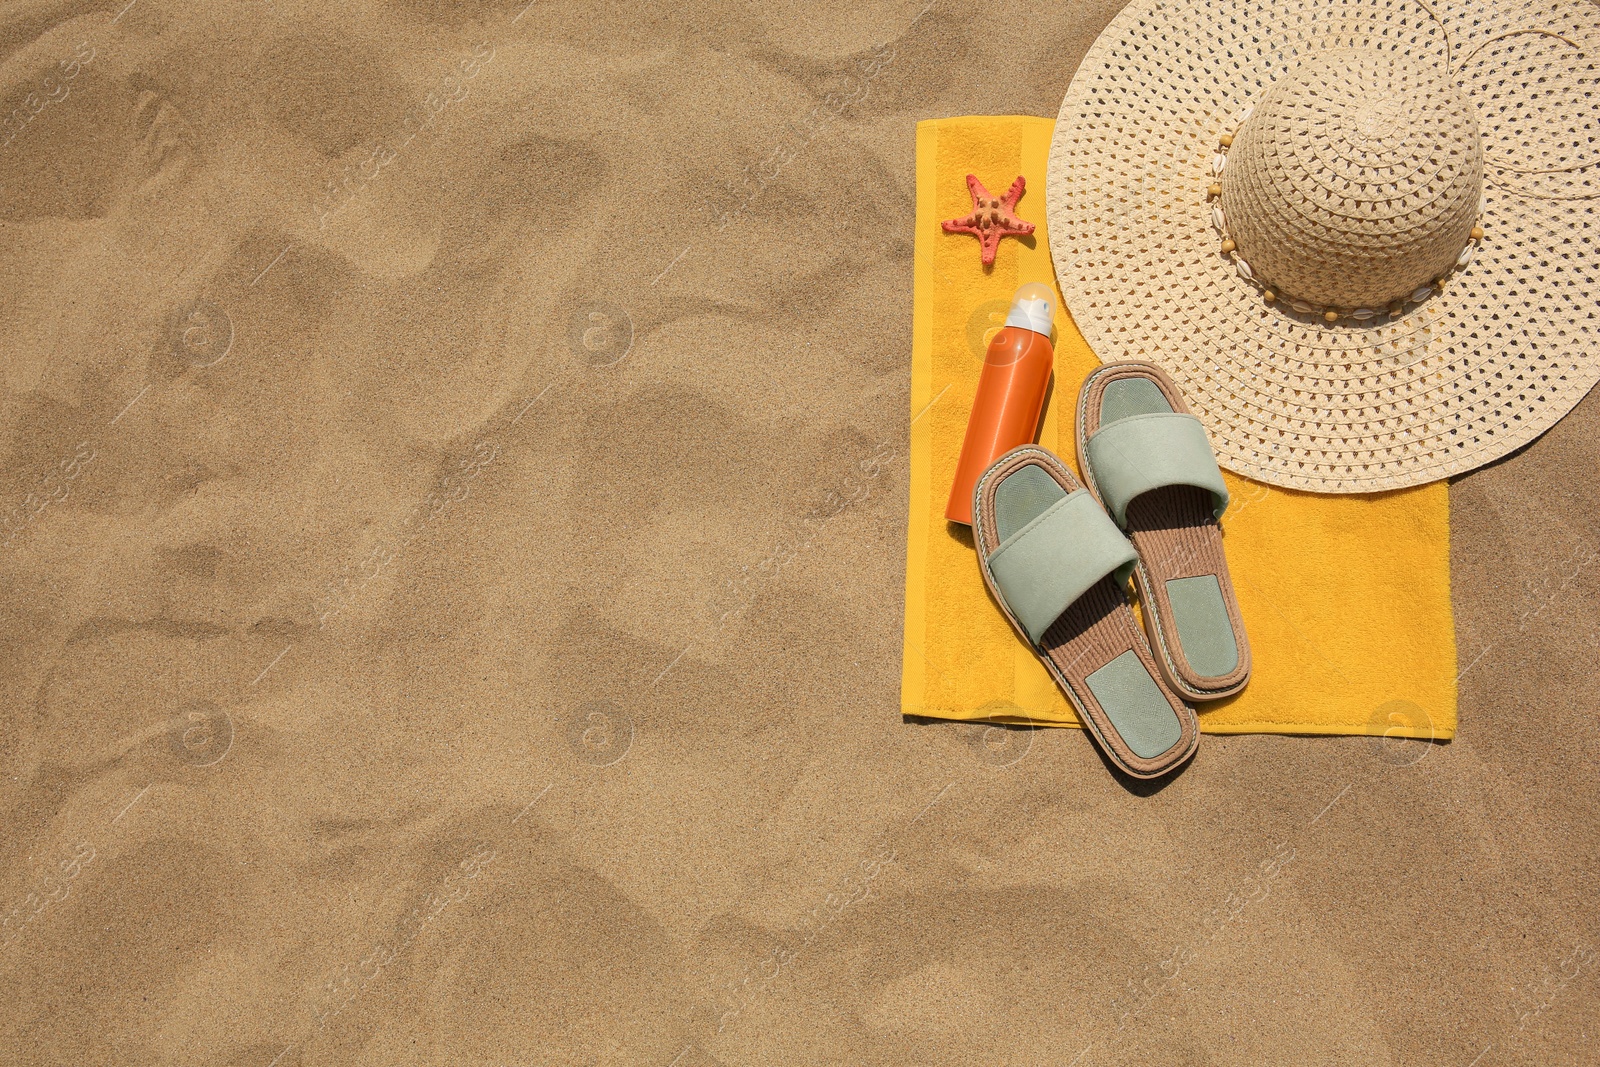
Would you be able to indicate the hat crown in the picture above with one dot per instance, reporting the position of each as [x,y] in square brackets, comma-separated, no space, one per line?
[1356,180]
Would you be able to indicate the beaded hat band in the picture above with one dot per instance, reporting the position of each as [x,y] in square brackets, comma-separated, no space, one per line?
[1361,234]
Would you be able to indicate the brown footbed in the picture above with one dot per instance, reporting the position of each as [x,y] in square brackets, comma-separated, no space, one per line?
[1097,628]
[1177,537]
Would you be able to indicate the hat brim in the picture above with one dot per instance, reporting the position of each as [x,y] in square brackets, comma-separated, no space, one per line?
[1456,381]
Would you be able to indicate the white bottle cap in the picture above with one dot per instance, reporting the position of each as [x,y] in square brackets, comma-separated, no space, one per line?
[1033,308]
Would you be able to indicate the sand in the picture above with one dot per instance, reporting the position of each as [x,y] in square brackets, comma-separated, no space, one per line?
[454,484]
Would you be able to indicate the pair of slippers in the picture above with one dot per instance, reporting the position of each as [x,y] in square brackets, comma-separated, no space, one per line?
[1056,556]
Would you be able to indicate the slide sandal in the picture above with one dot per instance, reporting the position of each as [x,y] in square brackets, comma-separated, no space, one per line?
[1149,462]
[1057,565]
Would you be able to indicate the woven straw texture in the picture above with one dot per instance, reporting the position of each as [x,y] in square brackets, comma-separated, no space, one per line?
[1332,197]
[1344,191]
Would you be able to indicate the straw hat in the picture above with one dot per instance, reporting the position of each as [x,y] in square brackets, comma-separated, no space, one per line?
[1362,235]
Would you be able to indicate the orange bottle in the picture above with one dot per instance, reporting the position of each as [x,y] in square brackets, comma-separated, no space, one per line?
[1005,413]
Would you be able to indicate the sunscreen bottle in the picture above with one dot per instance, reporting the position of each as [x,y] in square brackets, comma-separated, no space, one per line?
[1011,389]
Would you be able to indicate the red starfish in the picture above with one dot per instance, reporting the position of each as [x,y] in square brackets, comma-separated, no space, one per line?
[991,219]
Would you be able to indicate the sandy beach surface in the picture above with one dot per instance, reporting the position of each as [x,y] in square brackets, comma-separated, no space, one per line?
[454,480]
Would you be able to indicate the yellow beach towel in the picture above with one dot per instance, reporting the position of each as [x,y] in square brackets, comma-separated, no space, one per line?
[1346,598]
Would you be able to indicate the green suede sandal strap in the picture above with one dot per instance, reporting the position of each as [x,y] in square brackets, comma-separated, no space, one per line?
[1053,560]
[1144,452]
